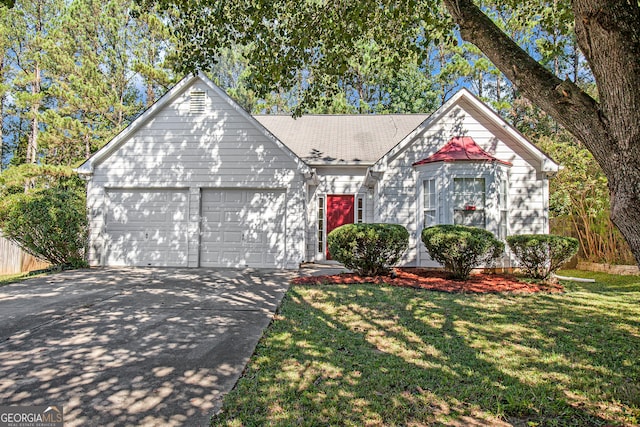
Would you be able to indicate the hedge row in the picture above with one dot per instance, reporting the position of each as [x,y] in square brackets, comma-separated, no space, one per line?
[372,249]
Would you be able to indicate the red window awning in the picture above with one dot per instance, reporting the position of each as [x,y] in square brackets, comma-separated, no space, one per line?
[460,148]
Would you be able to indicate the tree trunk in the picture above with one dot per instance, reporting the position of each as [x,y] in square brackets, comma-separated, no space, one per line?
[151,96]
[32,146]
[576,61]
[608,32]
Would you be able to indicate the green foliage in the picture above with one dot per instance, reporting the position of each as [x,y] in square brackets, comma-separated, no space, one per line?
[368,249]
[49,223]
[312,47]
[541,255]
[411,90]
[369,87]
[153,40]
[380,56]
[94,97]
[460,248]
[48,220]
[74,73]
[579,202]
[16,178]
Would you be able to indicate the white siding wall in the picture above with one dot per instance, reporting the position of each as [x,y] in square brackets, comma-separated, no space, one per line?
[341,179]
[219,148]
[396,199]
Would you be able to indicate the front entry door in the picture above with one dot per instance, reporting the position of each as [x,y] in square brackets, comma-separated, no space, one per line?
[339,212]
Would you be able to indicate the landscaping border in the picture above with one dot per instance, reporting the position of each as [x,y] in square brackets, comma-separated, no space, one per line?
[623,270]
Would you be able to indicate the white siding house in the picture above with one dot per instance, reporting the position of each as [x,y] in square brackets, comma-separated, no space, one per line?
[197,181]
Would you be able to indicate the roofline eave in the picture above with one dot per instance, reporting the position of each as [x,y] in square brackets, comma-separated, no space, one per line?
[339,164]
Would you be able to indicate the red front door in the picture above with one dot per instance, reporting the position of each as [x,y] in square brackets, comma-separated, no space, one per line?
[339,212]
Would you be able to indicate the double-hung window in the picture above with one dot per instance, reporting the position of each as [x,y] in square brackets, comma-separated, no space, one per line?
[429,202]
[503,228]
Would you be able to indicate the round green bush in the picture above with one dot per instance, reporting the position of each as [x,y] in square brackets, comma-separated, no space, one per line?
[368,249]
[460,249]
[541,255]
[49,223]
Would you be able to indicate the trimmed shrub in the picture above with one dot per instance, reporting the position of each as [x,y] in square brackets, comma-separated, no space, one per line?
[460,249]
[368,249]
[48,223]
[541,255]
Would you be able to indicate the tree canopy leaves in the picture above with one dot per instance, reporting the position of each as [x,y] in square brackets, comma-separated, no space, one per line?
[73,74]
[319,42]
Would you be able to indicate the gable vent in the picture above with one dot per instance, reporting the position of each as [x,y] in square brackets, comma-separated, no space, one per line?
[197,100]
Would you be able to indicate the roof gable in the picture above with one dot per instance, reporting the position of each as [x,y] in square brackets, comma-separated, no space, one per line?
[460,148]
[188,81]
[465,98]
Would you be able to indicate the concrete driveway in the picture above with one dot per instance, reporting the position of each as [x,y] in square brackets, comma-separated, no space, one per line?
[147,346]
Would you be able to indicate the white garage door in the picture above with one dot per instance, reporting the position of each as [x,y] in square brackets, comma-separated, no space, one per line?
[242,228]
[146,227]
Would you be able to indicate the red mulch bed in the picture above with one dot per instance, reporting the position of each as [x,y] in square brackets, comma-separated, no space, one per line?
[436,281]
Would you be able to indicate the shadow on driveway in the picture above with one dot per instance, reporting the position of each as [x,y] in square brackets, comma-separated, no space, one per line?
[153,347]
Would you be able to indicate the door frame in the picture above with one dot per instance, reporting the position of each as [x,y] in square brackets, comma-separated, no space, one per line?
[322,217]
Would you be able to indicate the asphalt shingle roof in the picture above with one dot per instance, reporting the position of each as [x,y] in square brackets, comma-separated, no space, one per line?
[341,139]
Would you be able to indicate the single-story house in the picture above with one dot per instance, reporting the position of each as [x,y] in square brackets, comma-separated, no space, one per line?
[197,181]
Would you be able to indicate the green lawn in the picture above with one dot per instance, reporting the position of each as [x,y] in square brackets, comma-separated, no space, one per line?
[6,279]
[378,355]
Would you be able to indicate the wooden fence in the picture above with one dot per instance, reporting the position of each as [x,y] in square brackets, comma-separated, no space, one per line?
[14,260]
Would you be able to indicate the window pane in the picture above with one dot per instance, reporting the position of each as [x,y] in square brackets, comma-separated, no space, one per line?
[478,185]
[503,225]
[469,193]
[503,194]
[457,185]
[469,218]
[469,202]
[428,190]
[432,193]
[455,199]
[479,200]
[429,218]
[429,202]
